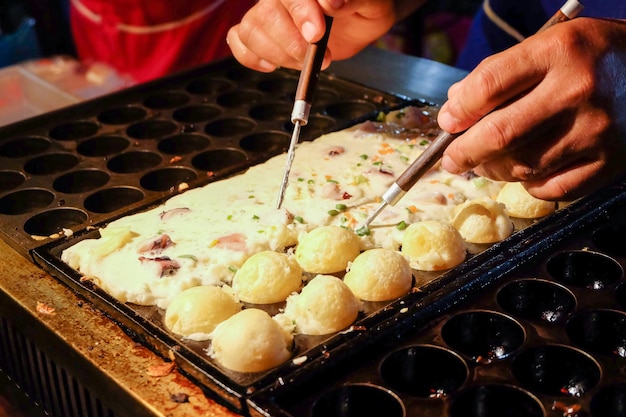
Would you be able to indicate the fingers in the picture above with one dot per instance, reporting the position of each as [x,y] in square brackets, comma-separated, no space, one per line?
[276,33]
[493,84]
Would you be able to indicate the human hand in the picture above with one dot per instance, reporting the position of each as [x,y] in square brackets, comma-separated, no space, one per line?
[276,33]
[548,112]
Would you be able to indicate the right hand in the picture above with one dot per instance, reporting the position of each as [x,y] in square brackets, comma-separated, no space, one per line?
[276,33]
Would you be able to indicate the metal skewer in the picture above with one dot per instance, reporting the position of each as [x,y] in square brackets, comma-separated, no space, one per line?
[302,105]
[435,150]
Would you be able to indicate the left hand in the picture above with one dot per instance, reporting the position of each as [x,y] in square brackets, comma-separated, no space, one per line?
[549,112]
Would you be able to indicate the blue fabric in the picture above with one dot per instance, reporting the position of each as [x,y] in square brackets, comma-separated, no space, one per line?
[19,45]
[485,38]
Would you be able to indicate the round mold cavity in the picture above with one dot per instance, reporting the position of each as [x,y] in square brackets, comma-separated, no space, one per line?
[358,400]
[280,86]
[243,74]
[266,142]
[166,100]
[230,127]
[599,331]
[102,145]
[556,370]
[349,110]
[51,163]
[167,178]
[218,159]
[74,130]
[208,86]
[10,180]
[584,269]
[122,115]
[271,111]
[183,144]
[26,201]
[535,299]
[134,161]
[53,221]
[196,113]
[324,96]
[81,181]
[495,400]
[316,126]
[112,199]
[483,335]
[26,146]
[620,295]
[609,401]
[424,371]
[150,129]
[611,239]
[239,98]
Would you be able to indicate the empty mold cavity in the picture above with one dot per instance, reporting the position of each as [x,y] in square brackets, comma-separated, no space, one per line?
[134,161]
[283,86]
[51,163]
[112,199]
[240,73]
[196,113]
[316,126]
[271,111]
[166,100]
[81,181]
[556,370]
[349,110]
[495,400]
[167,178]
[230,127]
[183,144]
[424,371]
[483,335]
[102,145]
[620,295]
[240,98]
[207,86]
[26,146]
[269,142]
[324,95]
[25,201]
[600,331]
[584,269]
[53,221]
[535,299]
[74,130]
[122,115]
[218,159]
[611,239]
[609,401]
[358,400]
[10,180]
[150,129]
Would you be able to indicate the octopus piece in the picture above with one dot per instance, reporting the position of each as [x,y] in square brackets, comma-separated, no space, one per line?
[156,244]
[164,264]
[168,214]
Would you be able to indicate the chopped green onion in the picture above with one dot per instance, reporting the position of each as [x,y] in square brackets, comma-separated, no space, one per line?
[299,219]
[255,217]
[232,269]
[424,142]
[363,156]
[333,212]
[401,226]
[480,182]
[362,231]
[341,207]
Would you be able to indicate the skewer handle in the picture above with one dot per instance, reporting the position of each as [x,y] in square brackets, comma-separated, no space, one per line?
[309,75]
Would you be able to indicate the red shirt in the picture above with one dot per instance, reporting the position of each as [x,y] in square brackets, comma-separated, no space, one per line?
[147,39]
